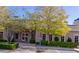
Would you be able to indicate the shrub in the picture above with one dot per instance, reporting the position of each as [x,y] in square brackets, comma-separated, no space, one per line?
[62,39]
[13,40]
[37,43]
[32,40]
[56,39]
[44,42]
[71,45]
[6,45]
[59,44]
[69,39]
[2,40]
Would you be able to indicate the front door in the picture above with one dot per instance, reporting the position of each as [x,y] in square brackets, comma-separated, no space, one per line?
[16,37]
[25,37]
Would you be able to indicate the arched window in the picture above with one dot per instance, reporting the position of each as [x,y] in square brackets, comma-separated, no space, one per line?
[76,39]
[62,38]
[69,39]
[56,38]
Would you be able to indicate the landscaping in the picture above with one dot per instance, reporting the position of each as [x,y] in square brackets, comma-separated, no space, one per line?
[32,41]
[2,40]
[6,45]
[59,44]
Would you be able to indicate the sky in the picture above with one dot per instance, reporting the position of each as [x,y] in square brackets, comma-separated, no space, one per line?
[72,11]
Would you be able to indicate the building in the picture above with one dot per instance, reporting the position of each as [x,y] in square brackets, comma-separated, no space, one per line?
[73,35]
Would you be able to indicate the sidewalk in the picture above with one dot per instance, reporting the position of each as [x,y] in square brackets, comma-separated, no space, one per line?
[76,49]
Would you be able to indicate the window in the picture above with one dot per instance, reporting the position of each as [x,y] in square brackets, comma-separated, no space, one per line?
[26,39]
[76,39]
[16,35]
[1,35]
[44,36]
[33,34]
[50,37]
[26,34]
[69,39]
[22,38]
[56,38]
[62,38]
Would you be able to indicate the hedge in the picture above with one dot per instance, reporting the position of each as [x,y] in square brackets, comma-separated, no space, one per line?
[44,42]
[2,40]
[69,39]
[59,44]
[37,43]
[32,40]
[56,39]
[6,45]
[63,44]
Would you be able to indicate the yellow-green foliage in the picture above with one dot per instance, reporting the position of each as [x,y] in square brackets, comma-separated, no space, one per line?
[49,20]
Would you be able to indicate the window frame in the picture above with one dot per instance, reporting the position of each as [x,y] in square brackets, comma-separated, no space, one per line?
[62,38]
[76,39]
[43,36]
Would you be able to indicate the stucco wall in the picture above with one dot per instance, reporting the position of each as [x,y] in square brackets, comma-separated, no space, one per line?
[71,34]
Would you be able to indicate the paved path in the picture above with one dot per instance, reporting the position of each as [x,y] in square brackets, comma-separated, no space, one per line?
[19,50]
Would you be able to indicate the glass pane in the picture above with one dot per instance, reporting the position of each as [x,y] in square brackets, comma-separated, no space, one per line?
[44,36]
[50,37]
[62,38]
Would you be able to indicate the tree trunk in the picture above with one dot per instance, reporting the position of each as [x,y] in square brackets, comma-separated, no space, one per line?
[9,35]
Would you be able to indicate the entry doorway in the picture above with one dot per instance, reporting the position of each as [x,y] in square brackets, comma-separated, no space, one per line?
[25,37]
[16,37]
[22,37]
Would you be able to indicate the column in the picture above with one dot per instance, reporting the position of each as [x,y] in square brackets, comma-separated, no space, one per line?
[37,37]
[53,37]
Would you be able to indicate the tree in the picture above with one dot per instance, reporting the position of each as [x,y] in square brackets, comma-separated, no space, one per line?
[54,20]
[32,23]
[4,13]
[14,26]
[10,24]
[4,16]
[49,20]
